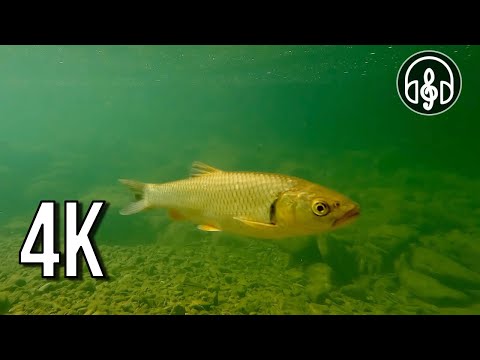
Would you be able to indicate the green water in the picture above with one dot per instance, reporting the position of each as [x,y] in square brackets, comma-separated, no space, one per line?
[74,119]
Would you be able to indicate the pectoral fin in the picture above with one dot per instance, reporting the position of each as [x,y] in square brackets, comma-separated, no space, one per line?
[208,228]
[255,224]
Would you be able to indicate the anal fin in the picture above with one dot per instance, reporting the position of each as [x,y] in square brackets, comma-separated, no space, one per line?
[208,228]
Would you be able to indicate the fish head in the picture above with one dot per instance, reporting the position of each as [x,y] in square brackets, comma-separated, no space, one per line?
[315,209]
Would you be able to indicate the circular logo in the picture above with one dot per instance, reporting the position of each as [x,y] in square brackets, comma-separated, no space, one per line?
[429,82]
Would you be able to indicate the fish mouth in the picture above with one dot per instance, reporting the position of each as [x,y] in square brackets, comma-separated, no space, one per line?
[347,217]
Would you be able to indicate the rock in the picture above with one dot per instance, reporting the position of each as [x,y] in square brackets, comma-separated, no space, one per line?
[178,310]
[384,289]
[148,301]
[420,306]
[81,310]
[213,287]
[151,270]
[383,244]
[319,281]
[356,291]
[297,290]
[46,288]
[163,257]
[462,246]
[475,294]
[92,307]
[472,310]
[388,236]
[78,306]
[88,286]
[202,306]
[295,274]
[127,307]
[20,282]
[140,260]
[196,263]
[467,310]
[431,290]
[241,291]
[444,269]
[224,269]
[5,303]
[339,256]
[24,297]
[469,253]
[177,261]
[385,283]
[99,312]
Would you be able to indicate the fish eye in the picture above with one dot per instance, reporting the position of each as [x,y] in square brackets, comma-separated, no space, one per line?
[320,208]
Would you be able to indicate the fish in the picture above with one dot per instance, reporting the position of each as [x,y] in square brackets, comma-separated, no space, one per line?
[253,204]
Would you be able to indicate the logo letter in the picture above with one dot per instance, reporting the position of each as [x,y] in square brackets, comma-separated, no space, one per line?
[74,240]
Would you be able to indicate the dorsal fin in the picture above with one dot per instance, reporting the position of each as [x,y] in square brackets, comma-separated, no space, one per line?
[199,169]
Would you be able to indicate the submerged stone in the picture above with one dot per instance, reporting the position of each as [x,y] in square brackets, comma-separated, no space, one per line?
[319,281]
[46,287]
[20,282]
[430,289]
[317,309]
[356,291]
[178,310]
[5,303]
[88,286]
[444,269]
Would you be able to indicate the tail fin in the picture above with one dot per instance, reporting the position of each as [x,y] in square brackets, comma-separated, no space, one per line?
[138,189]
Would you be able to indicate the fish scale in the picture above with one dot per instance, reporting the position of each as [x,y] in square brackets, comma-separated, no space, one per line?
[222,194]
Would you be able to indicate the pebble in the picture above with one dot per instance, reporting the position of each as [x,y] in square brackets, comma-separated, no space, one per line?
[20,282]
